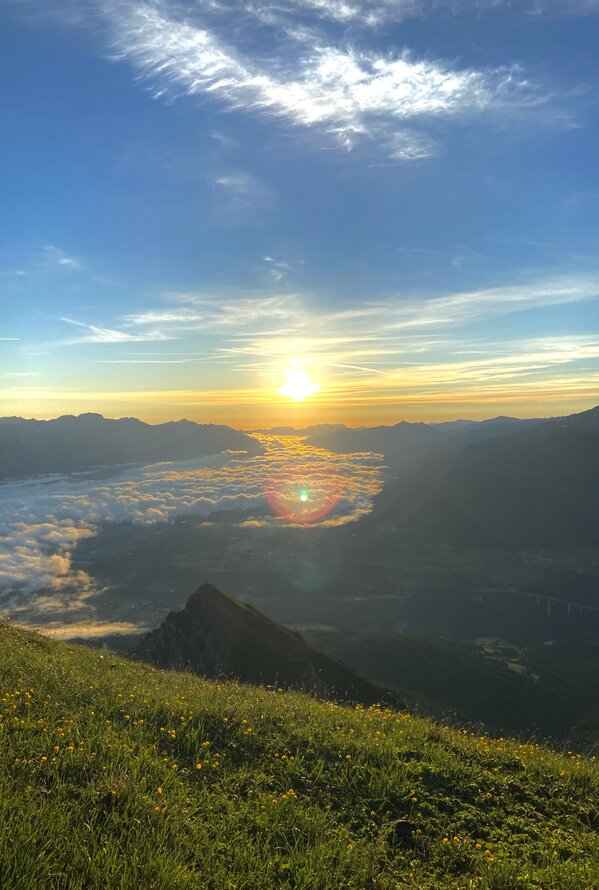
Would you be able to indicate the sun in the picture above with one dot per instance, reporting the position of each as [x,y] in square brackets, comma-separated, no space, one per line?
[298,385]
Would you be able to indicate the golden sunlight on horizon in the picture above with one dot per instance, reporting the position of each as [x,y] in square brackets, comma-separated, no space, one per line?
[265,407]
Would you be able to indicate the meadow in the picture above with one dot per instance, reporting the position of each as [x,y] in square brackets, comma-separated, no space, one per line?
[116,775]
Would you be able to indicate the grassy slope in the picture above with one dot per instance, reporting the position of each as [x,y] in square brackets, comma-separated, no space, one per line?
[99,788]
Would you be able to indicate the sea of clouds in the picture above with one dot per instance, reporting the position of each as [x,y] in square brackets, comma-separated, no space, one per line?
[43,520]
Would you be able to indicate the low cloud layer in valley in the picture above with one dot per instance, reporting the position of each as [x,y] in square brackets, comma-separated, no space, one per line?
[45,519]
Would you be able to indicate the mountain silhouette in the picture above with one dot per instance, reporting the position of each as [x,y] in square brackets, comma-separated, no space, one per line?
[70,444]
[215,635]
[536,485]
[406,446]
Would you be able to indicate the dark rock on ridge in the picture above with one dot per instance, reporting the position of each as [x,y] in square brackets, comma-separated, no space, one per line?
[216,635]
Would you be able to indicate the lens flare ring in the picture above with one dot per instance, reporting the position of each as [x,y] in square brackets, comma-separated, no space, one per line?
[304,494]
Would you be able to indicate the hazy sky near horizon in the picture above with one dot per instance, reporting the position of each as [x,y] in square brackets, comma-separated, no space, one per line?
[400,197]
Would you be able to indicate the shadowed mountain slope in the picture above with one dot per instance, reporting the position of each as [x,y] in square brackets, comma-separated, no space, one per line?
[70,444]
[407,445]
[401,444]
[549,692]
[218,636]
[537,486]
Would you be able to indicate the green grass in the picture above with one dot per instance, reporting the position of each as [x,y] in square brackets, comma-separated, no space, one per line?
[100,788]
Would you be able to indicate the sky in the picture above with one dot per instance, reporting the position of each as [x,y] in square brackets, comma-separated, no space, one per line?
[398,199]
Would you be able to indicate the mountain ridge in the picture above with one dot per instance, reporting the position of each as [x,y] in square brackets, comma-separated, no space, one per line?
[72,443]
[537,486]
[216,635]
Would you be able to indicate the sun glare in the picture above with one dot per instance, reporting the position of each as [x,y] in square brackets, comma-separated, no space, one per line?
[298,385]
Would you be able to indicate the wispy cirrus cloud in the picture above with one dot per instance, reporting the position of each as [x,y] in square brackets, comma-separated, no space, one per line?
[381,351]
[96,334]
[289,315]
[54,256]
[460,308]
[240,184]
[561,7]
[378,14]
[202,312]
[278,269]
[295,14]
[351,94]
[43,260]
[239,196]
[312,64]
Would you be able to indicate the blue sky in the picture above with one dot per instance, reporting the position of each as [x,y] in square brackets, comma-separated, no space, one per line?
[400,198]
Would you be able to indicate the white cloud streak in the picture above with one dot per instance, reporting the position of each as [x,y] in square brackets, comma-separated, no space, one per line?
[307,63]
[96,334]
[289,316]
[351,94]
[376,13]
[57,257]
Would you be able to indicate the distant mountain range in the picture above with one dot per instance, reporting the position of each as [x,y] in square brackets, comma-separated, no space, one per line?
[407,443]
[534,483]
[70,444]
[401,444]
[218,636]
